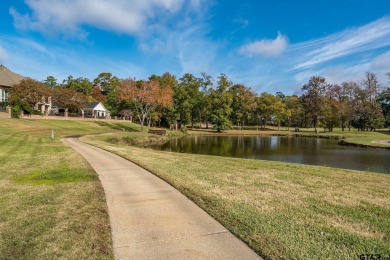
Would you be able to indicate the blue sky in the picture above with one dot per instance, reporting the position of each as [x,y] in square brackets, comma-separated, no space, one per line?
[266,45]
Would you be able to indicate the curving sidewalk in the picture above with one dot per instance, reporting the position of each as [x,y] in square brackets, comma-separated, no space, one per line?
[152,220]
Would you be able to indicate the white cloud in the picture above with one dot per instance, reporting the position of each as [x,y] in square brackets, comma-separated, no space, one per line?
[338,74]
[381,66]
[33,45]
[155,46]
[341,56]
[352,41]
[267,48]
[196,54]
[3,54]
[121,16]
[31,59]
[382,62]
[188,50]
[195,3]
[335,73]
[243,22]
[302,77]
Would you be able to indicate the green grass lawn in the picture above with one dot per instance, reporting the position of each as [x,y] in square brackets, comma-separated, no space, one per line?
[374,139]
[366,138]
[282,210]
[52,204]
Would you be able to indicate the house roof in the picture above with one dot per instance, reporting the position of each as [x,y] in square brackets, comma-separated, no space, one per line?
[96,106]
[92,104]
[9,78]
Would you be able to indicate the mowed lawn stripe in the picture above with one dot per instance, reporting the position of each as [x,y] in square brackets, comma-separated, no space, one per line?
[52,204]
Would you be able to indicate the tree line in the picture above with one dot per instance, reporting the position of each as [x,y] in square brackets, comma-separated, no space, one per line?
[195,101]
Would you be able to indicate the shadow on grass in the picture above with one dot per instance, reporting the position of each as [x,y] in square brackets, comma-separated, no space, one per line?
[118,126]
[386,132]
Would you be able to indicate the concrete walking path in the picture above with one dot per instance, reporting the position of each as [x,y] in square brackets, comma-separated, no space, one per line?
[152,220]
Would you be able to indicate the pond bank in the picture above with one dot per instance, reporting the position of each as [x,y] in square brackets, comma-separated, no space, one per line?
[379,144]
[366,139]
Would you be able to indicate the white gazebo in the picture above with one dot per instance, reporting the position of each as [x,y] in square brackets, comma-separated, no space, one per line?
[96,109]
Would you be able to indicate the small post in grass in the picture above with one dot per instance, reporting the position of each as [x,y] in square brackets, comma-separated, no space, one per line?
[52,134]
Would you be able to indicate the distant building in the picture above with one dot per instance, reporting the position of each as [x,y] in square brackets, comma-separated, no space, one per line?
[95,109]
[45,106]
[7,80]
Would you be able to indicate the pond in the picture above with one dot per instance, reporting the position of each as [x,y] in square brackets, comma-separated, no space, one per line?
[304,150]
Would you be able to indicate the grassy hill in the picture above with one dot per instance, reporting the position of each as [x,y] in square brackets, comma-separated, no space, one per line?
[52,204]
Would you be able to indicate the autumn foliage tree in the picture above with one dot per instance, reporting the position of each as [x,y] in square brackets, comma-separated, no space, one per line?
[270,107]
[97,95]
[69,98]
[313,99]
[28,93]
[243,104]
[167,114]
[145,96]
[385,103]
[189,100]
[293,111]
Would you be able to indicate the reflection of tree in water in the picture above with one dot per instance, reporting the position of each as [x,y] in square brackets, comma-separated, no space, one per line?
[221,146]
[288,149]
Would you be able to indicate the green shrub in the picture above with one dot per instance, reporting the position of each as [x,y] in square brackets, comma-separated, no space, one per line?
[16,111]
[18,106]
[183,129]
[36,112]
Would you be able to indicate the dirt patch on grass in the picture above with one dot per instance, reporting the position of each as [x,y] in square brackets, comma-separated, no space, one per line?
[387,142]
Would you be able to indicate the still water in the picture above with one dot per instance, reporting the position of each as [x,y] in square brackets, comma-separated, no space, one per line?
[314,151]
